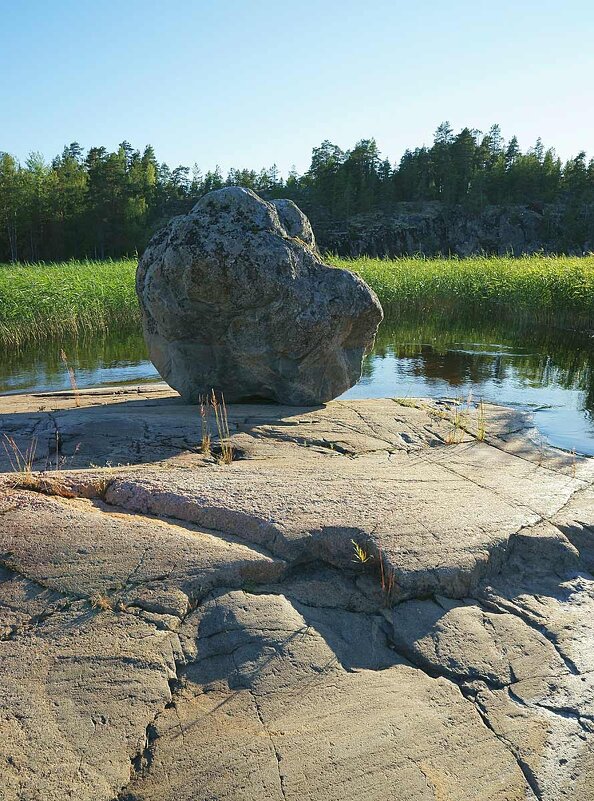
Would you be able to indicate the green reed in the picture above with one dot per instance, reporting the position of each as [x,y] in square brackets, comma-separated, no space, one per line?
[544,289]
[66,300]
[74,299]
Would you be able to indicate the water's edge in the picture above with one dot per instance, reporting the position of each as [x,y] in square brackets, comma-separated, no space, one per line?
[547,372]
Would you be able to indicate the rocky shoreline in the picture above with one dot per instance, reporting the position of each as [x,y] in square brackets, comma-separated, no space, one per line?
[375,599]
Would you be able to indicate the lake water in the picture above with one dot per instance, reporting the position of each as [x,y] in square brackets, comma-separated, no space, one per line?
[546,371]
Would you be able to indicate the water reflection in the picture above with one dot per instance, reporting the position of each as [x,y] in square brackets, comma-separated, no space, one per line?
[115,359]
[550,372]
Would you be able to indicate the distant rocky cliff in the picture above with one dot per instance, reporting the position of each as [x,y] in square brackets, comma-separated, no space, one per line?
[433,229]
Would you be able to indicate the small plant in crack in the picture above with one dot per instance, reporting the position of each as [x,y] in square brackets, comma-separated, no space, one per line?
[100,602]
[223,450]
[481,422]
[387,574]
[361,556]
[458,416]
[250,587]
[413,404]
[456,435]
[21,461]
[102,485]
[387,579]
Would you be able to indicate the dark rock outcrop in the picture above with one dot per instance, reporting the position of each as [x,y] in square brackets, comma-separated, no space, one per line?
[435,229]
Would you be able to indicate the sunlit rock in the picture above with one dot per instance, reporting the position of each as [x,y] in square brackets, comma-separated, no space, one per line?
[235,297]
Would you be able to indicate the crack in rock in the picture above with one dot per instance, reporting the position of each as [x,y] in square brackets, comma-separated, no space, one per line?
[529,775]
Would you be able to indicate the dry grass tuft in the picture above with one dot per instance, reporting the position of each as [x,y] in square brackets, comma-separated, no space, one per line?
[222,421]
[457,419]
[71,376]
[25,478]
[21,461]
[101,602]
[458,415]
[225,451]
[205,442]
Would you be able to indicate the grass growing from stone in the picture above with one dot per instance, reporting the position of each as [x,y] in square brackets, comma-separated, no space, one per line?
[21,461]
[223,450]
[543,289]
[75,299]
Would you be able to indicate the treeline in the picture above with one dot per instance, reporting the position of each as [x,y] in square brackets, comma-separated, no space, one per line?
[107,204]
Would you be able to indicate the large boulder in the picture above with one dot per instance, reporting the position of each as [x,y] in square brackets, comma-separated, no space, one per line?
[235,297]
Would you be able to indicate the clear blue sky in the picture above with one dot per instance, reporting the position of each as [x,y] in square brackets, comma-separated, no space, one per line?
[252,82]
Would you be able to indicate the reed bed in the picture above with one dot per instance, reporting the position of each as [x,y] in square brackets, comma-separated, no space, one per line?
[555,290]
[77,299]
[66,300]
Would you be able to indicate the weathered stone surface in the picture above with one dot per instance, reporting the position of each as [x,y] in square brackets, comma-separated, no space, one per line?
[77,696]
[173,628]
[465,642]
[235,297]
[398,488]
[547,724]
[287,722]
[81,547]
[576,523]
[545,583]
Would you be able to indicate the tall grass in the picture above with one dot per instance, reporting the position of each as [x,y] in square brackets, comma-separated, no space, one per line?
[77,298]
[542,289]
[66,300]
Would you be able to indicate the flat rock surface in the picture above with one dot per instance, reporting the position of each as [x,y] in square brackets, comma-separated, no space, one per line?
[372,595]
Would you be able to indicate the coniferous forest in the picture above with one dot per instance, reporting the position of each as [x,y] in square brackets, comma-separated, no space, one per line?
[100,204]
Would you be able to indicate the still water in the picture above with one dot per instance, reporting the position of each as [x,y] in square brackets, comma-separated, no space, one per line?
[546,371]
